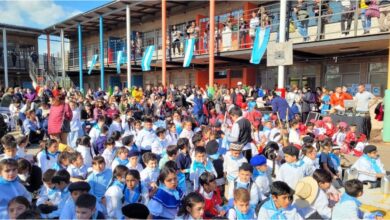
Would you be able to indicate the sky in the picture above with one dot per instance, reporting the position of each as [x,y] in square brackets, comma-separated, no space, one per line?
[43,13]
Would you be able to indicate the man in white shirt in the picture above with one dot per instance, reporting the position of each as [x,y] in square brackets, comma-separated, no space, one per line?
[362,99]
[253,24]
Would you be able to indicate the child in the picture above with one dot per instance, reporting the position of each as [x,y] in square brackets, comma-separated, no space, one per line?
[209,191]
[29,175]
[48,198]
[166,201]
[370,167]
[60,180]
[171,155]
[335,157]
[349,206]
[187,131]
[77,170]
[310,159]
[200,165]
[351,136]
[192,207]
[10,147]
[99,178]
[171,134]
[217,160]
[321,204]
[242,209]
[145,137]
[151,172]
[109,152]
[244,180]
[232,162]
[116,125]
[95,131]
[62,161]
[133,161]
[183,160]
[116,135]
[99,144]
[17,206]
[294,169]
[261,174]
[9,187]
[278,206]
[49,154]
[181,178]
[114,193]
[86,207]
[160,143]
[76,190]
[84,147]
[22,143]
[135,191]
[325,160]
[128,142]
[294,136]
[122,158]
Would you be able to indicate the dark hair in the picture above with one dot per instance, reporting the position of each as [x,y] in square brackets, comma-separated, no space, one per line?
[206,178]
[29,214]
[98,160]
[73,156]
[279,188]
[353,187]
[8,141]
[45,144]
[23,165]
[20,200]
[85,141]
[189,201]
[294,122]
[134,173]
[104,129]
[8,162]
[246,167]
[48,175]
[101,118]
[119,170]
[148,156]
[322,176]
[61,176]
[200,150]
[127,140]
[148,120]
[172,165]
[22,139]
[236,111]
[110,141]
[116,135]
[160,130]
[64,155]
[197,137]
[86,201]
[172,150]
[307,149]
[183,142]
[165,171]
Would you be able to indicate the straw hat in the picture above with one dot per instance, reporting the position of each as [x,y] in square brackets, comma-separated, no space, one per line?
[306,192]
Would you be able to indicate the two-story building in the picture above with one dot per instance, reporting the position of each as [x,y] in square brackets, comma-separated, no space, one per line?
[336,60]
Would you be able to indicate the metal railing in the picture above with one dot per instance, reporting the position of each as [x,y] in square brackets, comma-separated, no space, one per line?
[232,38]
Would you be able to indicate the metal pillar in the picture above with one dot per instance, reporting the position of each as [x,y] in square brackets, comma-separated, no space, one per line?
[282,38]
[80,59]
[164,41]
[5,56]
[211,42]
[48,50]
[101,57]
[62,54]
[128,46]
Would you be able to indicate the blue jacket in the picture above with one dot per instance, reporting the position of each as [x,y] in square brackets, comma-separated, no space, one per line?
[280,106]
[99,144]
[99,182]
[198,105]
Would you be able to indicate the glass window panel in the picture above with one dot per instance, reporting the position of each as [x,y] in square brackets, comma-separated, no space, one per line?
[236,74]
[349,79]
[333,81]
[378,67]
[332,69]
[349,68]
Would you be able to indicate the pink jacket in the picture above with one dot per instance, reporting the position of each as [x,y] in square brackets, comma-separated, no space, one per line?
[56,116]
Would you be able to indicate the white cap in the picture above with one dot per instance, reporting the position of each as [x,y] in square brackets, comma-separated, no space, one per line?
[239,84]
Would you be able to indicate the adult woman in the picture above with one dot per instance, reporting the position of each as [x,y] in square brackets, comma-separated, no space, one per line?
[59,119]
[325,101]
[32,127]
[99,110]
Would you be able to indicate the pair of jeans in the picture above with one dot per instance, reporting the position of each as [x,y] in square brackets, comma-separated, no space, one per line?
[366,21]
[346,19]
[176,44]
[301,26]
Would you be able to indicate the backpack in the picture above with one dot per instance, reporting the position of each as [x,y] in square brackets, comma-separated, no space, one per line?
[378,108]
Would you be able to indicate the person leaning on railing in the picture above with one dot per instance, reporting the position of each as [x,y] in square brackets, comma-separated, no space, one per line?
[384,19]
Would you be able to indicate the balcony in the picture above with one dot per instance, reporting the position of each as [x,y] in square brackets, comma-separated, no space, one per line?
[235,42]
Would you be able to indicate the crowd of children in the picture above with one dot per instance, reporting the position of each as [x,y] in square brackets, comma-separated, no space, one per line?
[181,169]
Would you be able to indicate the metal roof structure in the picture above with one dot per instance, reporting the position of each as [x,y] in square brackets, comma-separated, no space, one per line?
[21,30]
[114,14]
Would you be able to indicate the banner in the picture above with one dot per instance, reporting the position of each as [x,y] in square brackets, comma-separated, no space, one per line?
[93,63]
[260,44]
[147,58]
[188,51]
[119,59]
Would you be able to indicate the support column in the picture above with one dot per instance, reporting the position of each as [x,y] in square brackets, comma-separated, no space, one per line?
[5,56]
[211,42]
[128,46]
[62,54]
[48,50]
[282,38]
[386,120]
[81,84]
[101,57]
[164,41]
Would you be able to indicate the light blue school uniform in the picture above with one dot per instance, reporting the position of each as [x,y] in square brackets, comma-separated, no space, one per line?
[99,182]
[349,208]
[9,190]
[269,211]
[65,195]
[69,210]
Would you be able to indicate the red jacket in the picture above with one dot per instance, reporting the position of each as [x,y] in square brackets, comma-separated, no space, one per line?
[210,210]
[56,117]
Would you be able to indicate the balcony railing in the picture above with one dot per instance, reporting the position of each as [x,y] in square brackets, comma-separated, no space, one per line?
[232,38]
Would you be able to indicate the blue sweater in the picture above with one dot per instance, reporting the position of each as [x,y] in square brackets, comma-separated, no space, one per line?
[99,182]
[9,190]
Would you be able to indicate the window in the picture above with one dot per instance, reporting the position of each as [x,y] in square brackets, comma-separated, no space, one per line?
[378,76]
[220,75]
[342,75]
[236,74]
[149,38]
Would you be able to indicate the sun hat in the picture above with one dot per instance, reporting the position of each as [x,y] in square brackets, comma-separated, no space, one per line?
[306,192]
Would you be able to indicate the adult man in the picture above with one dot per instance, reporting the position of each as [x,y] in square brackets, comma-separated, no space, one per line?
[362,99]
[241,131]
[280,106]
[337,99]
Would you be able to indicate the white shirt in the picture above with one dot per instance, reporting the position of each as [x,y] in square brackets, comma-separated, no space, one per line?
[145,139]
[113,197]
[77,171]
[311,165]
[362,164]
[320,204]
[362,101]
[263,182]
[293,137]
[159,146]
[254,22]
[115,126]
[86,152]
[231,166]
[171,138]
[75,123]
[290,213]
[109,156]
[290,174]
[46,162]
[148,176]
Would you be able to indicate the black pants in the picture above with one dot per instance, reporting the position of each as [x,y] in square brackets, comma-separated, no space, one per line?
[346,19]
[247,154]
[176,44]
[34,137]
